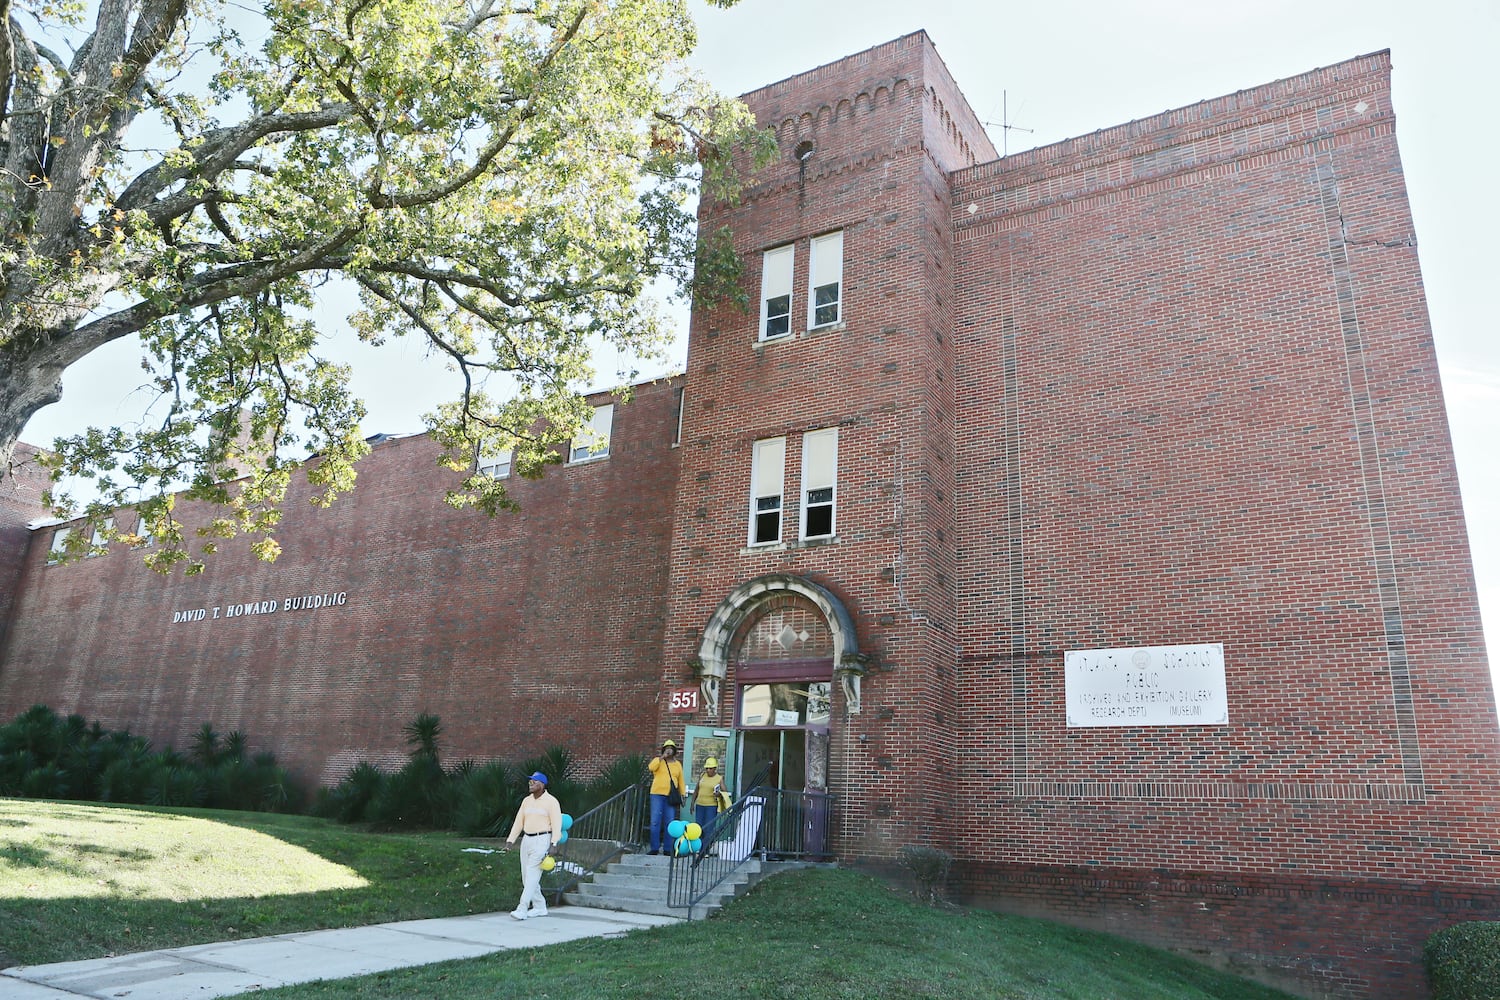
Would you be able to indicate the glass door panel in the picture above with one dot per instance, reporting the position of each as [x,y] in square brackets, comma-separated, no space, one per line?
[703,742]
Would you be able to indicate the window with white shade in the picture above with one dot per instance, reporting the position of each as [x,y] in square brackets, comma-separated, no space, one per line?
[776,293]
[59,545]
[767,474]
[496,465]
[825,268]
[820,462]
[593,441]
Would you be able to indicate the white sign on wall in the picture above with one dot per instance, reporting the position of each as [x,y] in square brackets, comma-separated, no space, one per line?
[1147,686]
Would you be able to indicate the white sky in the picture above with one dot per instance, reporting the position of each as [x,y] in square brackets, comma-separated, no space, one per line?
[1069,67]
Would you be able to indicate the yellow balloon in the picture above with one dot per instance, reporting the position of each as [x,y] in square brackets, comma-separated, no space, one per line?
[549,863]
[693,831]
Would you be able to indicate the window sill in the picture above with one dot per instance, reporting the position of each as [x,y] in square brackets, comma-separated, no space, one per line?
[588,461]
[791,546]
[786,338]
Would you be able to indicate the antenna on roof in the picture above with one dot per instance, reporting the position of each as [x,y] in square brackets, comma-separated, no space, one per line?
[1006,128]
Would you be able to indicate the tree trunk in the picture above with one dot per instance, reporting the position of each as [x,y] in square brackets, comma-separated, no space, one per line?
[27,383]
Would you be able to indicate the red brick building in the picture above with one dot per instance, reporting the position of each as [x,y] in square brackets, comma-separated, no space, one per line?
[1089,513]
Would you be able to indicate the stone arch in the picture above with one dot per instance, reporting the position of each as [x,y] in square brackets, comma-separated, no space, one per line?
[742,602]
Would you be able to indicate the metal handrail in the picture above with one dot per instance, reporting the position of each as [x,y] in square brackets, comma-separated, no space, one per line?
[766,822]
[597,838]
[737,831]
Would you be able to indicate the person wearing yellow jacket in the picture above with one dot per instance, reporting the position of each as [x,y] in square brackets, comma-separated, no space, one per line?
[707,797]
[666,784]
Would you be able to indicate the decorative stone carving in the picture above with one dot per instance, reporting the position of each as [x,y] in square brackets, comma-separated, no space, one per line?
[850,672]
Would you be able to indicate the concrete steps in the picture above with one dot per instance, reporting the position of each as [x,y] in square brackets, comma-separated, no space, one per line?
[637,883]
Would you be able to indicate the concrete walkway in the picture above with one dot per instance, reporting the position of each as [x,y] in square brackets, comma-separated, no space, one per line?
[217,970]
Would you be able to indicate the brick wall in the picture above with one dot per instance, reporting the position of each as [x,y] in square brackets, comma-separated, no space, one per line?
[1198,390]
[20,504]
[522,632]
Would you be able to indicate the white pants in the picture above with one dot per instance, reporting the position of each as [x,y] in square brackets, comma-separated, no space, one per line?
[533,850]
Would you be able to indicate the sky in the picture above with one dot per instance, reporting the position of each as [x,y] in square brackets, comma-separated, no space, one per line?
[1066,68]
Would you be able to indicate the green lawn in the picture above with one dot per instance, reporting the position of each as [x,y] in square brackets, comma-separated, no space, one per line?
[82,880]
[79,881]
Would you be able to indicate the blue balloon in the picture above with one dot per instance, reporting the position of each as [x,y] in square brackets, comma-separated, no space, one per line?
[567,822]
[694,846]
[562,838]
[676,828]
[681,847]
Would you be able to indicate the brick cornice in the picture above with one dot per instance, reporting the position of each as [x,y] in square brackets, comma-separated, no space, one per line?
[1266,124]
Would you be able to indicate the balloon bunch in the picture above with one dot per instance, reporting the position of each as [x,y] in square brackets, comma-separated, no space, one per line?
[686,837]
[549,862]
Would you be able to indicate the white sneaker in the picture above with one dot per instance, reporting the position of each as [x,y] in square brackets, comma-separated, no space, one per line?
[518,915]
[537,913]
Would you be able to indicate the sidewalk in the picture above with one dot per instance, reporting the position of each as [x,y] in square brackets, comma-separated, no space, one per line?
[217,970]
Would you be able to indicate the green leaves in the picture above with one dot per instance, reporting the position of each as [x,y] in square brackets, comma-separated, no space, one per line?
[501,181]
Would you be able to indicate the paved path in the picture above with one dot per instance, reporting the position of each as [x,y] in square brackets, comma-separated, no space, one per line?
[217,970]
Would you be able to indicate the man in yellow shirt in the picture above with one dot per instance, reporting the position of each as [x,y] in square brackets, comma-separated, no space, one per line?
[538,824]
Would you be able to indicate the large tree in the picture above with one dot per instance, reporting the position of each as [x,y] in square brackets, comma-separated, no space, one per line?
[502,178]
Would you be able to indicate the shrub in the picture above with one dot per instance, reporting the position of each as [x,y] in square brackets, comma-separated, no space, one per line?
[1463,962]
[930,867]
[417,796]
[44,756]
[348,801]
[486,799]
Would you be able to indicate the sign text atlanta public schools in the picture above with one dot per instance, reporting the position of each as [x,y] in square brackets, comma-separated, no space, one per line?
[1147,686]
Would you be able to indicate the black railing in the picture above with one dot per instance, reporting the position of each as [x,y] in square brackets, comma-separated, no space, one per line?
[765,824]
[597,838]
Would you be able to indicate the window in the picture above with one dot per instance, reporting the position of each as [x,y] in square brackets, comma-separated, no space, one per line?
[767,470]
[59,545]
[681,403]
[143,533]
[593,440]
[825,280]
[776,293]
[99,539]
[820,462]
[780,706]
[496,466]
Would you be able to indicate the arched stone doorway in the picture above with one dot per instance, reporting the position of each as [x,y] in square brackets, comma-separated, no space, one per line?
[788,649]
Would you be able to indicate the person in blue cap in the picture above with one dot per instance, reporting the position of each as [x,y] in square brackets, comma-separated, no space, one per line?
[538,824]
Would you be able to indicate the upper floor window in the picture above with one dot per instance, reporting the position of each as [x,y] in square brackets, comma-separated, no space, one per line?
[767,471]
[776,293]
[825,280]
[820,462]
[593,441]
[59,544]
[496,466]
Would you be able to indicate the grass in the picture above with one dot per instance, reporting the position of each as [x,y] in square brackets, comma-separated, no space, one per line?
[82,881]
[85,881]
[818,934]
